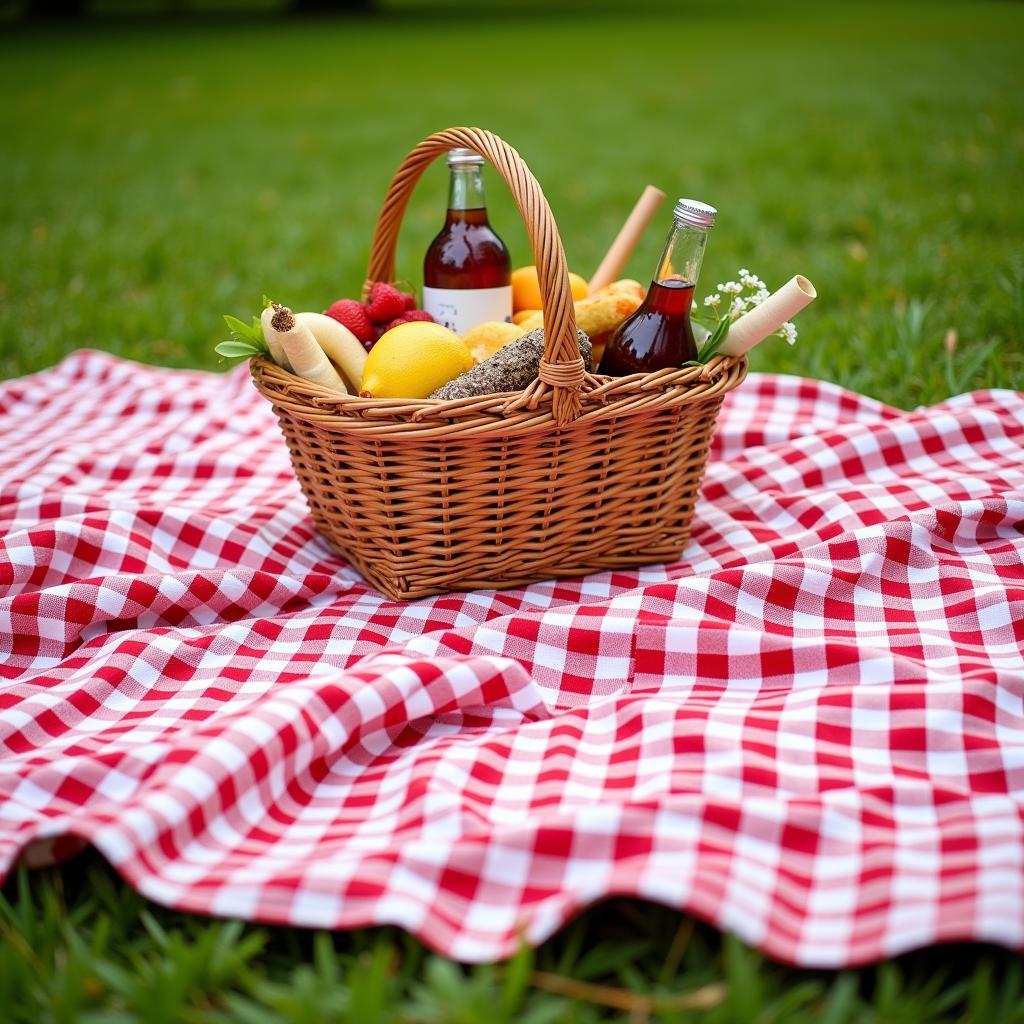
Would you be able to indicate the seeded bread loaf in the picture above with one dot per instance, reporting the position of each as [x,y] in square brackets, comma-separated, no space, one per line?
[511,368]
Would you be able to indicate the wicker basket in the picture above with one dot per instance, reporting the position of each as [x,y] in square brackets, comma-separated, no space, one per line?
[576,474]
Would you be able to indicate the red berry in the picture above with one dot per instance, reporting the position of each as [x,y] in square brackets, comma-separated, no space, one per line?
[411,317]
[385,304]
[409,299]
[352,314]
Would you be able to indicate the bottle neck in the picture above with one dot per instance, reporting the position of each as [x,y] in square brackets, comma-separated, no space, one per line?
[682,255]
[466,189]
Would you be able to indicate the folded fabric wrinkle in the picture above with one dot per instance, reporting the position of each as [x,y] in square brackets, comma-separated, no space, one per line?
[808,731]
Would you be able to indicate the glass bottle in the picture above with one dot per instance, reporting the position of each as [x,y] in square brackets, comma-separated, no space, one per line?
[658,334]
[467,270]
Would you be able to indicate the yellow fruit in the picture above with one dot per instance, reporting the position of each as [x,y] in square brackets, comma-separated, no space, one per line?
[624,286]
[580,288]
[523,314]
[413,360]
[485,339]
[600,312]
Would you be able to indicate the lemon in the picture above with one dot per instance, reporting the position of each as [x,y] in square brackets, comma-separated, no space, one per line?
[413,360]
[485,339]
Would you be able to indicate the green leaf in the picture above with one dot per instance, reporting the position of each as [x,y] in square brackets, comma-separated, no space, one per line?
[236,326]
[250,333]
[235,349]
[714,343]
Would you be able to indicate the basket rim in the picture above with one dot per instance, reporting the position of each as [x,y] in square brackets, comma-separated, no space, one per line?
[502,414]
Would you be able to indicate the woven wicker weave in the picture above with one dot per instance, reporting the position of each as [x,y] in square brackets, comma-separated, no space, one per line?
[577,474]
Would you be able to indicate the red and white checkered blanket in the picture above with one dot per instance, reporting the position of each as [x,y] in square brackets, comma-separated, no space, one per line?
[809,731]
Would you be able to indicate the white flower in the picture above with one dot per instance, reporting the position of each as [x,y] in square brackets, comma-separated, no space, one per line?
[759,296]
[750,280]
[788,331]
[737,307]
[713,301]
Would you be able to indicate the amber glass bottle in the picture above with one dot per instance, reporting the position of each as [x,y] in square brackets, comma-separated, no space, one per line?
[658,334]
[467,269]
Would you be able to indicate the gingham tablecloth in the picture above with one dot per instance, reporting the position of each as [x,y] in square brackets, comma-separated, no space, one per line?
[809,731]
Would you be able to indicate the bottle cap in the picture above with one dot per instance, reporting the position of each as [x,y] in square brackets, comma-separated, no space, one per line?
[700,215]
[463,157]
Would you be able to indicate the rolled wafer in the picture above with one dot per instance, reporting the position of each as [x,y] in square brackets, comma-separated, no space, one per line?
[756,324]
[270,336]
[296,341]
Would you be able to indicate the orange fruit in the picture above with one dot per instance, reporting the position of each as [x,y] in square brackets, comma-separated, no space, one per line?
[526,289]
[580,288]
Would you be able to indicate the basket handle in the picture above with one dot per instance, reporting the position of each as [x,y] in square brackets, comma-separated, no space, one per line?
[561,367]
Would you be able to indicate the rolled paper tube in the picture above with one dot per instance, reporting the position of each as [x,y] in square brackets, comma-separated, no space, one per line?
[756,324]
[625,241]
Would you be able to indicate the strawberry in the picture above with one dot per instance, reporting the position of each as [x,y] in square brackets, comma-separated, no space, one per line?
[352,314]
[409,299]
[386,303]
[411,317]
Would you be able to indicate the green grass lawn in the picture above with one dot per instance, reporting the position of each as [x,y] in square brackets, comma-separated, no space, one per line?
[76,945]
[157,175]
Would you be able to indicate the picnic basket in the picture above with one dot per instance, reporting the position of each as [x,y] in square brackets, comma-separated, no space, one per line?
[577,474]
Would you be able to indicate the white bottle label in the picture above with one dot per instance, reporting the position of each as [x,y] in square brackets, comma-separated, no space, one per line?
[461,308]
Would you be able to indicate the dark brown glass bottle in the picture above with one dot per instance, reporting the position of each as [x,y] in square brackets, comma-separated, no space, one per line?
[658,334]
[467,270]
